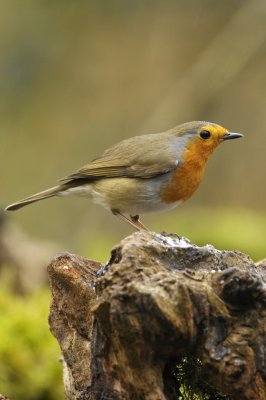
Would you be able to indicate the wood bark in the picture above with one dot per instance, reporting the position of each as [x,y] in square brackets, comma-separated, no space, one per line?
[160,303]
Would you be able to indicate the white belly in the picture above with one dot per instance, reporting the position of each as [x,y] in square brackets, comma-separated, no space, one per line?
[131,196]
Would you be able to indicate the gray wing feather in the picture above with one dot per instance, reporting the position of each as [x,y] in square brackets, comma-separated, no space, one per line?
[138,157]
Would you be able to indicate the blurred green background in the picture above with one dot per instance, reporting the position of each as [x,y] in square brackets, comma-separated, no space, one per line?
[78,76]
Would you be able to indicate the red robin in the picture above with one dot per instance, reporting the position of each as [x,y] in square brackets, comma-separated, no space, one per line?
[148,173]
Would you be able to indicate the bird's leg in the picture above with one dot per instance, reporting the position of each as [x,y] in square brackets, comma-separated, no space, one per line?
[135,219]
[124,218]
[135,223]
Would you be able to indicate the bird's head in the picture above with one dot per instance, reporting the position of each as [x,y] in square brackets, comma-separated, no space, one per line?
[203,137]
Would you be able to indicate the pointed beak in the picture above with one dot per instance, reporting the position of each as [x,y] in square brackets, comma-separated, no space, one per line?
[231,135]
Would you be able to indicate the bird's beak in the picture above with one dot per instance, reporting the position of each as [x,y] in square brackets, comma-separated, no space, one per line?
[231,135]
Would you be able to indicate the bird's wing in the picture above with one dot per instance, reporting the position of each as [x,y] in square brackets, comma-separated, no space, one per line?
[139,157]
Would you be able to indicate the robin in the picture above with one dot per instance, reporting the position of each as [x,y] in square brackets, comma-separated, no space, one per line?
[143,174]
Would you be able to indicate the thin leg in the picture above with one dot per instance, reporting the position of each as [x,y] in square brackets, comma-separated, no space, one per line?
[136,220]
[131,221]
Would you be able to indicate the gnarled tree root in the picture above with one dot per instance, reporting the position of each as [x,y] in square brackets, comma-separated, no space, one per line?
[159,302]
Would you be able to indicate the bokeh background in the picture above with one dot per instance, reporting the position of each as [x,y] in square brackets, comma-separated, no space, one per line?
[78,76]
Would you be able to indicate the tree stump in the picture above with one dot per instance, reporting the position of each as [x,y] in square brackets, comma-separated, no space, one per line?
[161,309]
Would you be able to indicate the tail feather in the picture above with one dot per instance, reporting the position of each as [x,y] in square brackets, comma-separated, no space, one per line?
[36,197]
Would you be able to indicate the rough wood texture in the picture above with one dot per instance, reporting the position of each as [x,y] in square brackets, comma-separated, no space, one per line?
[159,300]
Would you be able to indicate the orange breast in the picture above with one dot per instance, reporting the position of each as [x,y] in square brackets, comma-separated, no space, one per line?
[187,178]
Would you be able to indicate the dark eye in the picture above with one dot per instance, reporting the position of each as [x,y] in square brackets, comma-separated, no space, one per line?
[205,134]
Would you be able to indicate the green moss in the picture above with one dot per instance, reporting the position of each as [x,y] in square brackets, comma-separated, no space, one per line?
[29,366]
[192,381]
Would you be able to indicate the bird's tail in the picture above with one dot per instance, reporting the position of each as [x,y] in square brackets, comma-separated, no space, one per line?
[36,197]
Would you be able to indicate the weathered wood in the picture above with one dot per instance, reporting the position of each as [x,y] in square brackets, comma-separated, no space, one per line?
[160,300]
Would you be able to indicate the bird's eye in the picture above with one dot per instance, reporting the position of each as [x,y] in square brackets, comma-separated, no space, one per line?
[205,134]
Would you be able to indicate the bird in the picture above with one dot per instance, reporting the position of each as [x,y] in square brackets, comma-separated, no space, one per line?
[144,174]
